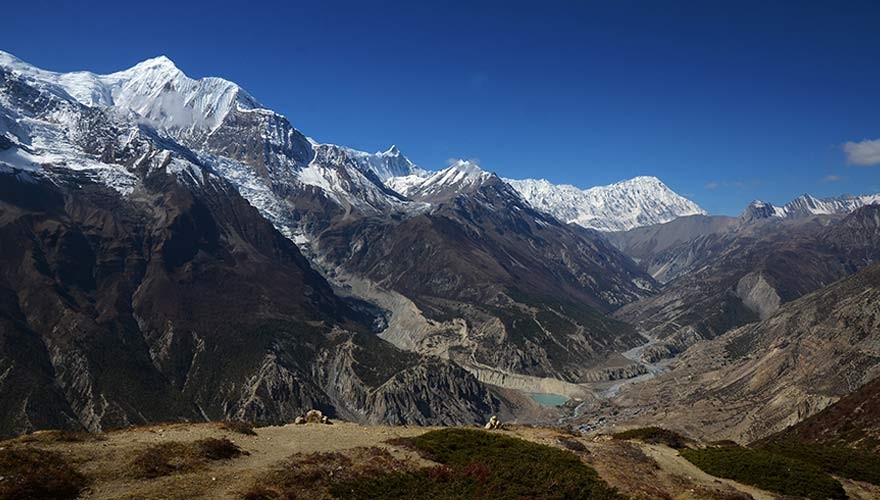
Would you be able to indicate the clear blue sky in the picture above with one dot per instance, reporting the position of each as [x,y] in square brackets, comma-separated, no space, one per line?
[724,101]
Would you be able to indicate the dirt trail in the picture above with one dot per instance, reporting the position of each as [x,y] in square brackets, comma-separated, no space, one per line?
[670,461]
[645,470]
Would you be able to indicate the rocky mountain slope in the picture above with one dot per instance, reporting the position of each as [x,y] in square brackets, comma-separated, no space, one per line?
[675,248]
[745,275]
[756,380]
[502,286]
[641,201]
[669,250]
[853,422]
[129,293]
[473,273]
[333,202]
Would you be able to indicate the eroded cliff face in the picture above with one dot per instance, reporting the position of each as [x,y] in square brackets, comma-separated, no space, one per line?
[760,378]
[852,421]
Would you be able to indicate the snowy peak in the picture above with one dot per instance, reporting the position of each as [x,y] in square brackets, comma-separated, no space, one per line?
[81,86]
[761,210]
[387,164]
[807,205]
[158,91]
[160,63]
[464,169]
[640,201]
[459,178]
[155,89]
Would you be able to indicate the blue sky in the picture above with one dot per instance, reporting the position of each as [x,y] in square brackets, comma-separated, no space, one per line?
[724,101]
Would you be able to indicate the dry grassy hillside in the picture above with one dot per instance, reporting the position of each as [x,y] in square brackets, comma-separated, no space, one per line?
[344,460]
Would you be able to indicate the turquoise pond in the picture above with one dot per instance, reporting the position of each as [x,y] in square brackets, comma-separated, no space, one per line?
[547,399]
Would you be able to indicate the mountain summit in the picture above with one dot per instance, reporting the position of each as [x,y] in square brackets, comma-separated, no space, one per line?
[641,201]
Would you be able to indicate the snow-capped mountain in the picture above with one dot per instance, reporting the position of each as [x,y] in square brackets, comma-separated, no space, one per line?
[385,164]
[258,150]
[460,177]
[155,89]
[641,201]
[225,128]
[807,205]
[127,249]
[459,243]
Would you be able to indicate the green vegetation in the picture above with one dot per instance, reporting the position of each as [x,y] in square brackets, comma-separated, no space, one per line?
[176,457]
[37,474]
[472,465]
[654,435]
[834,459]
[482,465]
[766,470]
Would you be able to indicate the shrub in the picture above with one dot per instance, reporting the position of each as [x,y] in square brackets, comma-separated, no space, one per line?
[217,449]
[175,457]
[37,474]
[655,435]
[161,460]
[482,465]
[767,471]
[573,445]
[239,427]
[832,458]
[313,474]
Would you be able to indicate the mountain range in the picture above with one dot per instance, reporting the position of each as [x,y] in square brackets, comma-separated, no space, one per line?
[806,205]
[173,250]
[128,206]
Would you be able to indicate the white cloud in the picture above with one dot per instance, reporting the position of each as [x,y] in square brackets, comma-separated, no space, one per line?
[863,153]
[712,185]
[452,161]
[831,178]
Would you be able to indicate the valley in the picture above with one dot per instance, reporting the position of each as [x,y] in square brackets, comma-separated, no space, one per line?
[176,255]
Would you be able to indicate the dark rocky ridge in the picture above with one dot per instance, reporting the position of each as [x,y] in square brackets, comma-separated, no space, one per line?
[533,292]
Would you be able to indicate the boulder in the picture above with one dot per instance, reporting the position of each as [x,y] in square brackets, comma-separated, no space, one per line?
[493,424]
[314,417]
